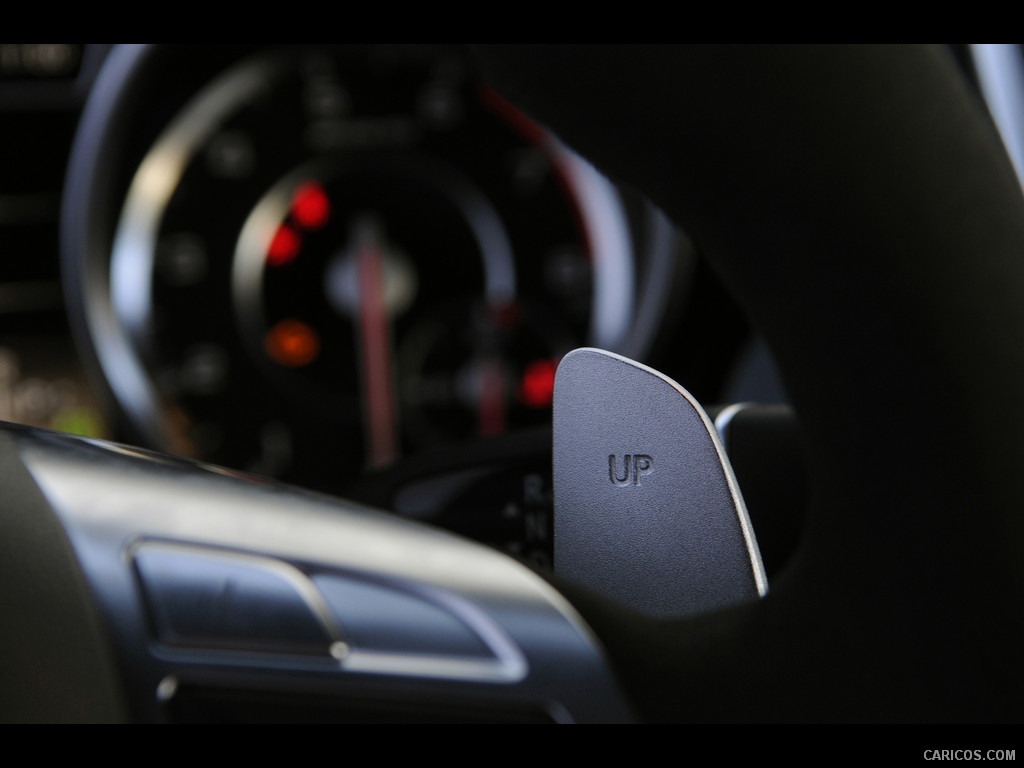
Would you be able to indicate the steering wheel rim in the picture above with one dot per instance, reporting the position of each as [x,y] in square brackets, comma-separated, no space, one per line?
[860,208]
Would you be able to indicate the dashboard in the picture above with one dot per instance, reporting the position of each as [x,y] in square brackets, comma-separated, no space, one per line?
[353,269]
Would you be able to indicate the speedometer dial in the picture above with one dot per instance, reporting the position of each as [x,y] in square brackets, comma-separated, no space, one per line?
[331,260]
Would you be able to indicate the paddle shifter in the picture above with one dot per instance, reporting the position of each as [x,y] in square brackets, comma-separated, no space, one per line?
[647,509]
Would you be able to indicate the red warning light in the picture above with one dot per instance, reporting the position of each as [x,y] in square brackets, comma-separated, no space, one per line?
[537,388]
[292,343]
[284,246]
[311,208]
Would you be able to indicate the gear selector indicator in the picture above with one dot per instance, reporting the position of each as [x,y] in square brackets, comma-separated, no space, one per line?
[647,509]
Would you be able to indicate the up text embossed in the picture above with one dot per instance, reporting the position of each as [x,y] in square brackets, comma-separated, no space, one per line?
[632,468]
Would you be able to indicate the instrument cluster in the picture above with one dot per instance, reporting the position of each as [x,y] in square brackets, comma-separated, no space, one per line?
[325,265]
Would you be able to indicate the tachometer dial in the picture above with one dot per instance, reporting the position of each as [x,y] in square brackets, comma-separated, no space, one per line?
[332,259]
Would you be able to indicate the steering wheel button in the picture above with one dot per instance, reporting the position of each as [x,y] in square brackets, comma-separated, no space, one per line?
[220,600]
[647,509]
[383,618]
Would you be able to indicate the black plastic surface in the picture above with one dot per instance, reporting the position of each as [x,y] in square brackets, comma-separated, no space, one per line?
[861,210]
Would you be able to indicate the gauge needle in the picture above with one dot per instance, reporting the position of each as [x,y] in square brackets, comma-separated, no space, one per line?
[375,344]
[491,415]
[491,402]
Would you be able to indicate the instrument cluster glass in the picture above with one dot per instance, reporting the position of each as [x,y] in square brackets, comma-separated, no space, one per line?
[330,260]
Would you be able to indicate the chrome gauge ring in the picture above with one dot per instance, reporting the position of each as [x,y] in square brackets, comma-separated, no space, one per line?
[327,260]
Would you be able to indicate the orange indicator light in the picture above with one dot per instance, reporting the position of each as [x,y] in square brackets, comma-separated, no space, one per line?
[310,205]
[284,246]
[292,343]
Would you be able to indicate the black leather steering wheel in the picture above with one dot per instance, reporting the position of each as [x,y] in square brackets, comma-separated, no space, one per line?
[860,208]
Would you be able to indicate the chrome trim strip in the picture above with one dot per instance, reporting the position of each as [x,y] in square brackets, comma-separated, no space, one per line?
[602,215]
[724,418]
[1000,70]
